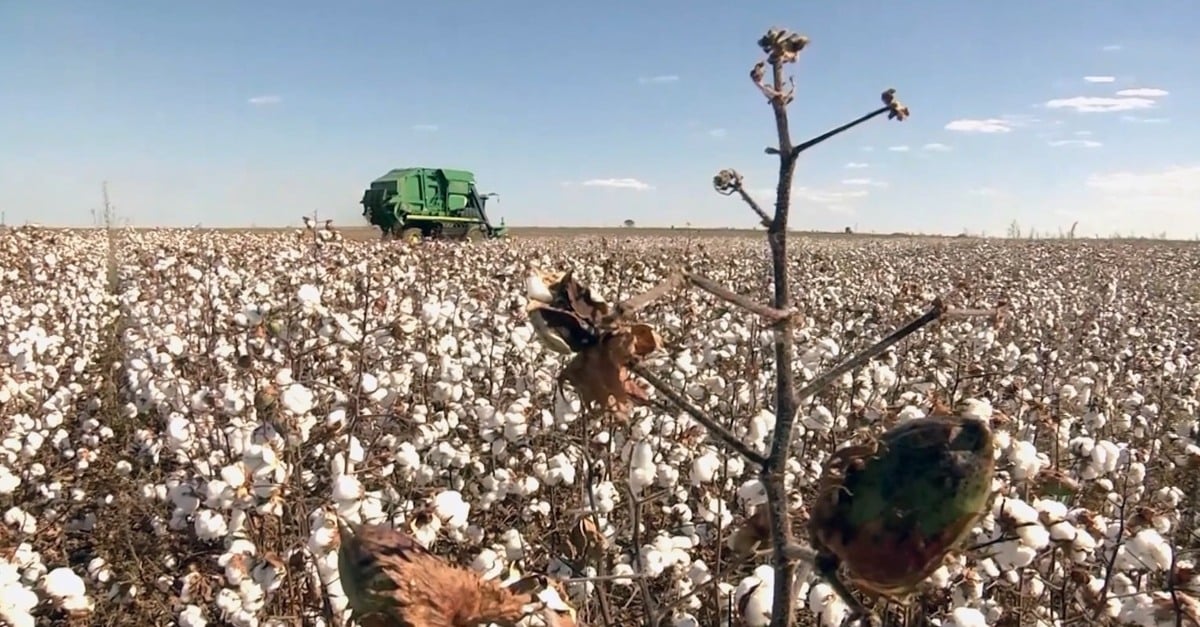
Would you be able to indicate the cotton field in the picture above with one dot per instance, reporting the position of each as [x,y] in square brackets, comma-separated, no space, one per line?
[185,417]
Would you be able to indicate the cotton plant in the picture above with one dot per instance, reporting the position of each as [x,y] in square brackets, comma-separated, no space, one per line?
[245,395]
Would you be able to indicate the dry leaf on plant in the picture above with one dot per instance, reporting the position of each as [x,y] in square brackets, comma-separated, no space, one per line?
[390,580]
[569,319]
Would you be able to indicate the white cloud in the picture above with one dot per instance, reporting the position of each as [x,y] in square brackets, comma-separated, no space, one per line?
[988,192]
[625,183]
[1099,79]
[989,125]
[834,199]
[1141,201]
[1112,47]
[717,132]
[1141,120]
[1095,104]
[661,78]
[425,128]
[868,149]
[1175,182]
[1143,92]
[827,196]
[1083,133]
[863,182]
[260,101]
[936,147]
[898,148]
[857,165]
[1083,143]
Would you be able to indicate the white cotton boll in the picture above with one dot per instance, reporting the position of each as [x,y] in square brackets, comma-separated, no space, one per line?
[1145,550]
[23,521]
[179,431]
[347,488]
[641,466]
[488,564]
[561,470]
[752,493]
[980,409]
[1027,463]
[62,583]
[192,616]
[309,297]
[759,429]
[210,525]
[297,399]
[369,383]
[699,573]
[820,419]
[909,412]
[8,481]
[1010,555]
[883,377]
[827,605]
[756,610]
[450,506]
[713,510]
[705,468]
[966,617]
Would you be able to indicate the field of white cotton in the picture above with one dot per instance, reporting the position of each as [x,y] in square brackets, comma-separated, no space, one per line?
[185,415]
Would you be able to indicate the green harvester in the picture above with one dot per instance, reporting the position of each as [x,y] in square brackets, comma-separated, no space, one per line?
[412,204]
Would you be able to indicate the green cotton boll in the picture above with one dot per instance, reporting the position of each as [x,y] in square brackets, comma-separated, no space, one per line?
[892,510]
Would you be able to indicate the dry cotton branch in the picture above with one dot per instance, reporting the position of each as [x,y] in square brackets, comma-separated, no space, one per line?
[837,527]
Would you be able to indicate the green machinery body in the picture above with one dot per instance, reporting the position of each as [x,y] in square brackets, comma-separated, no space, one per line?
[436,203]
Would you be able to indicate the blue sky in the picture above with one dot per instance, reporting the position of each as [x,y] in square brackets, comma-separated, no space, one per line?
[237,113]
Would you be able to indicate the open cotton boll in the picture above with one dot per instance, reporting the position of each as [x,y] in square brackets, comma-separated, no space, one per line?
[451,508]
[966,617]
[759,588]
[67,589]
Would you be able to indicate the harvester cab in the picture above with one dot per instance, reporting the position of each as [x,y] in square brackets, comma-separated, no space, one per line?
[436,203]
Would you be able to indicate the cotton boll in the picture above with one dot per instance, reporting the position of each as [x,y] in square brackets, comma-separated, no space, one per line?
[1026,460]
[705,468]
[827,605]
[759,587]
[752,493]
[452,509]
[1145,550]
[210,525]
[966,617]
[66,588]
[347,488]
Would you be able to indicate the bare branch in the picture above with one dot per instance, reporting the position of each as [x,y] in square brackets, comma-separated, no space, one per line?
[640,301]
[724,293]
[724,435]
[891,106]
[636,303]
[728,182]
[935,312]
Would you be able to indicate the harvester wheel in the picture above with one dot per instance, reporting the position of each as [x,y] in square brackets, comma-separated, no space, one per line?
[411,236]
[474,234]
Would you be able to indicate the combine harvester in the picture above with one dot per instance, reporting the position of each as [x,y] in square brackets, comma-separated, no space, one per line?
[412,204]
